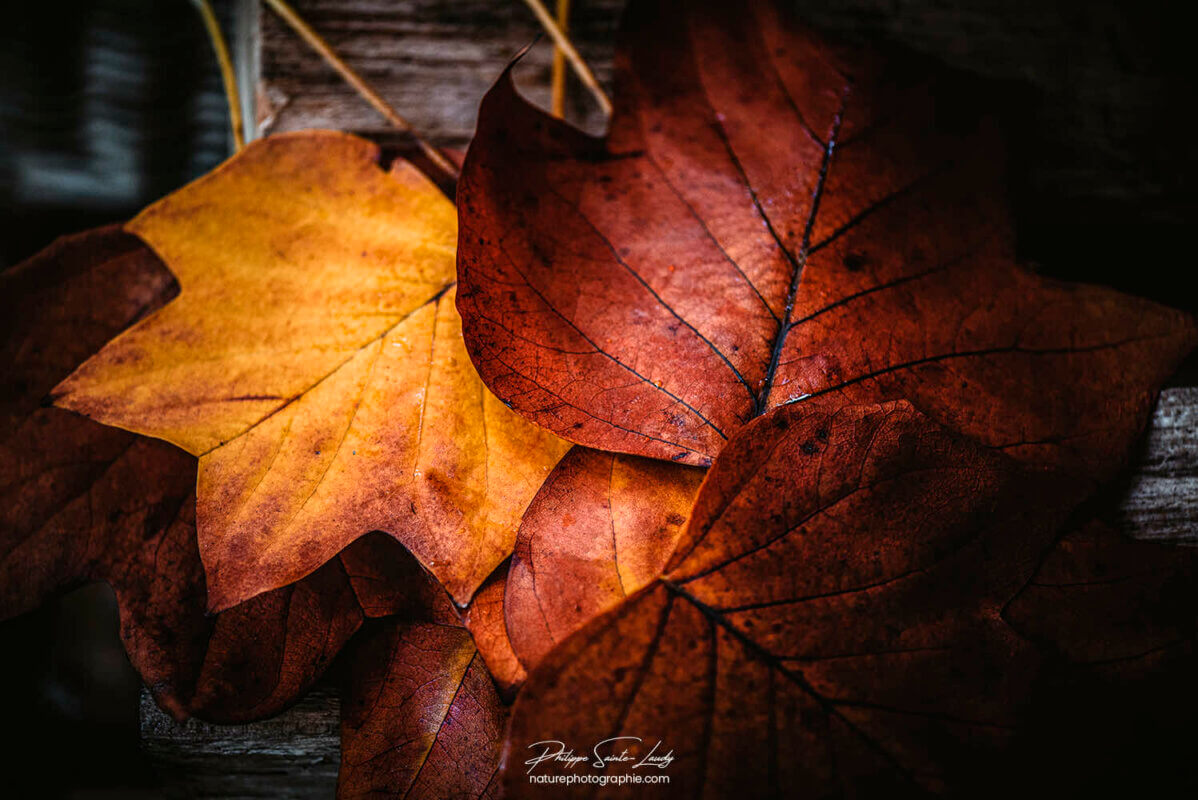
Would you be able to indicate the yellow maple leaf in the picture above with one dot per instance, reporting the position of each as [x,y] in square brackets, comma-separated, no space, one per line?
[314,362]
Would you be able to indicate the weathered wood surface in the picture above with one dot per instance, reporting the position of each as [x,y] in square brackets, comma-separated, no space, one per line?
[431,60]
[294,755]
[1160,502]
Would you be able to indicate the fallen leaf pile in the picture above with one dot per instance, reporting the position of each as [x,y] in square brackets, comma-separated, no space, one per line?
[826,528]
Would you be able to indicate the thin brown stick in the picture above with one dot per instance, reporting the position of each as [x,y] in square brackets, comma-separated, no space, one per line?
[558,82]
[232,95]
[580,67]
[314,40]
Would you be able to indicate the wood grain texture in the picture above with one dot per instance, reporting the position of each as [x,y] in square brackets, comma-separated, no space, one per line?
[431,60]
[1160,502]
[293,756]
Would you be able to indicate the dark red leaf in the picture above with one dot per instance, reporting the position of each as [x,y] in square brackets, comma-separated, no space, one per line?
[601,528]
[263,654]
[420,717]
[773,219]
[84,502]
[484,618]
[856,605]
[1104,600]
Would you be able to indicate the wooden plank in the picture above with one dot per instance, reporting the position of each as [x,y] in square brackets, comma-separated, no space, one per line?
[1160,502]
[433,61]
[295,754]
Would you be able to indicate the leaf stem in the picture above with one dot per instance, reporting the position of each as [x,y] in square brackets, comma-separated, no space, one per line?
[558,80]
[317,43]
[232,95]
[580,67]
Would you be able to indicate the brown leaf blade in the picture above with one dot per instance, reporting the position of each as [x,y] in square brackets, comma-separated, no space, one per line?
[313,362]
[420,716]
[71,487]
[773,219]
[834,620]
[484,618]
[1116,604]
[84,502]
[602,527]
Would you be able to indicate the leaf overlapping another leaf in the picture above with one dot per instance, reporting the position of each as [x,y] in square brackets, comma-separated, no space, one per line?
[85,502]
[836,617]
[485,618]
[313,363]
[602,527]
[420,714]
[785,230]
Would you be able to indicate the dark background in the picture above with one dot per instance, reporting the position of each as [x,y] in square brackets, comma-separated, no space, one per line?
[105,105]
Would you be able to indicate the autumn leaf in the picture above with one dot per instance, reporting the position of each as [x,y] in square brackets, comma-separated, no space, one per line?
[601,528]
[837,618]
[1116,621]
[1102,599]
[267,652]
[314,365]
[260,656]
[84,502]
[420,717]
[771,220]
[485,620]
[72,487]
